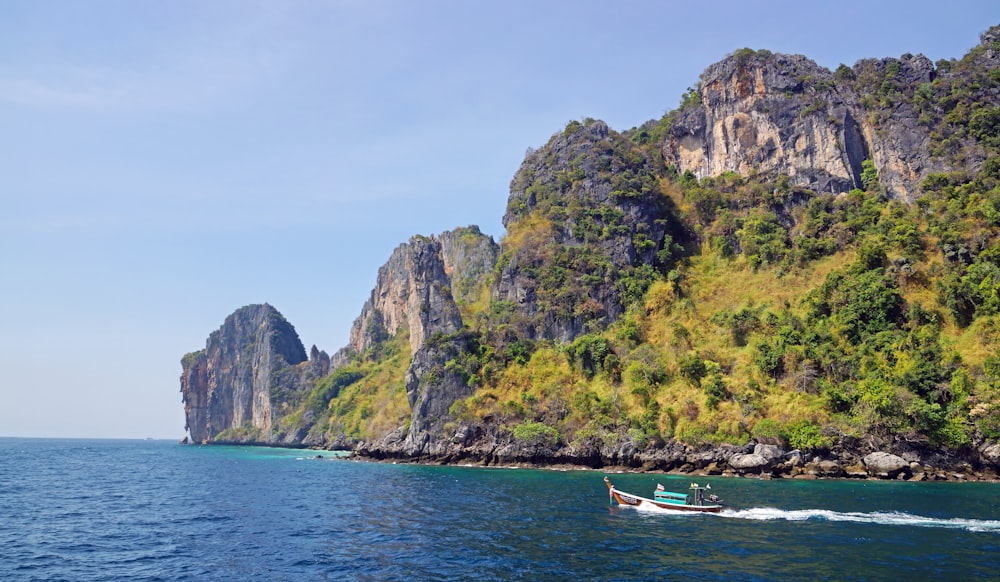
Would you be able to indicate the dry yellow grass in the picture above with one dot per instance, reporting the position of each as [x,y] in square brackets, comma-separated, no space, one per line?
[711,285]
[720,285]
[789,406]
[977,342]
[724,285]
[533,230]
[471,311]
[377,404]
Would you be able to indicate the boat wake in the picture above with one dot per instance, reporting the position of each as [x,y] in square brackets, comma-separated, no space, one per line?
[650,508]
[878,517]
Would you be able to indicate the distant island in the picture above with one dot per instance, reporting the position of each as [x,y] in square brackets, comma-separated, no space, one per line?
[796,273]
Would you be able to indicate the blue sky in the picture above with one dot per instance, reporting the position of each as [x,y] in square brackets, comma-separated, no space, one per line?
[164,163]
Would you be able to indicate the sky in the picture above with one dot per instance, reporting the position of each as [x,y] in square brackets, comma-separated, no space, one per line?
[164,163]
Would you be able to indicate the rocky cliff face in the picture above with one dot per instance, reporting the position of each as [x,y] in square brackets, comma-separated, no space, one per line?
[590,223]
[412,290]
[897,142]
[584,210]
[432,387]
[758,112]
[228,385]
[469,257]
[251,381]
[419,291]
[768,113]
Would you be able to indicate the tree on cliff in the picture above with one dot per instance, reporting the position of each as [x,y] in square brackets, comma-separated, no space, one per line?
[795,255]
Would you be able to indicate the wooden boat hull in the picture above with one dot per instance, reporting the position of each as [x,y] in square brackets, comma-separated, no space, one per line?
[623,498]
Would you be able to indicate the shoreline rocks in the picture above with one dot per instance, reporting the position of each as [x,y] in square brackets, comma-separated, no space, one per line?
[885,465]
[490,446]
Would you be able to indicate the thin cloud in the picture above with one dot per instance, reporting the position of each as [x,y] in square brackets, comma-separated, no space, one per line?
[36,93]
[183,85]
[180,69]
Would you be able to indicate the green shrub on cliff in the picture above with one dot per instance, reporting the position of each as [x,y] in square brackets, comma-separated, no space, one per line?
[853,346]
[739,307]
[536,433]
[330,386]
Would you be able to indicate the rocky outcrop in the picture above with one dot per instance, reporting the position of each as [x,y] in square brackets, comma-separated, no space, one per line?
[419,291]
[990,454]
[762,458]
[584,211]
[767,113]
[491,445]
[431,387]
[885,465]
[412,291]
[228,385]
[469,257]
[770,113]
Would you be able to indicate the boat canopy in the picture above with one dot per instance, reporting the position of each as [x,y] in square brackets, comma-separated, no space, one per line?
[671,494]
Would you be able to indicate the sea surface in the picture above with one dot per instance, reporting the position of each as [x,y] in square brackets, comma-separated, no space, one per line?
[155,510]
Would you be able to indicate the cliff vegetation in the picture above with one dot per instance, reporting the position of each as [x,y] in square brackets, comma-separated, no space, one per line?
[795,257]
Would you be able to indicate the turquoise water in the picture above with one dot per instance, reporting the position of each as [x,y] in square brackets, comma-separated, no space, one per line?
[153,510]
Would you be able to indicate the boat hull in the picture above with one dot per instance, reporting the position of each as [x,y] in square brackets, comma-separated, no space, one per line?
[623,498]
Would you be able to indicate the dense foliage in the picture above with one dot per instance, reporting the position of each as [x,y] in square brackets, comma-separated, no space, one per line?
[752,309]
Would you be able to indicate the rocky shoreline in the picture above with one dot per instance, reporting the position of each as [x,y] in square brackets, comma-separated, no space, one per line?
[885,461]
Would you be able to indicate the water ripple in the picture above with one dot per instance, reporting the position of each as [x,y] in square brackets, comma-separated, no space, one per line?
[878,517]
[114,510]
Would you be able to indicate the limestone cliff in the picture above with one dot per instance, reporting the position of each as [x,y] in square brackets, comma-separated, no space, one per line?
[898,144]
[757,112]
[770,113]
[469,257]
[252,382]
[584,211]
[592,225]
[418,291]
[228,384]
[432,387]
[411,290]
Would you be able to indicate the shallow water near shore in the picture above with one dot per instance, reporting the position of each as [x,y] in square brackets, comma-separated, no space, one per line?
[154,510]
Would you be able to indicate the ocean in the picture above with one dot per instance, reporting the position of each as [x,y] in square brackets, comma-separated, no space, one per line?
[156,510]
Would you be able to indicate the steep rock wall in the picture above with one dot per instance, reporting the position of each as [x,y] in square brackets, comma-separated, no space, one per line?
[412,290]
[769,113]
[897,142]
[228,384]
[469,257]
[419,290]
[432,387]
[583,211]
[760,112]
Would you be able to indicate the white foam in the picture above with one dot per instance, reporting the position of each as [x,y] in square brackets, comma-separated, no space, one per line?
[878,517]
[656,509]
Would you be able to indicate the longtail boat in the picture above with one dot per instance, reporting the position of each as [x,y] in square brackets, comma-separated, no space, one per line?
[694,500]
